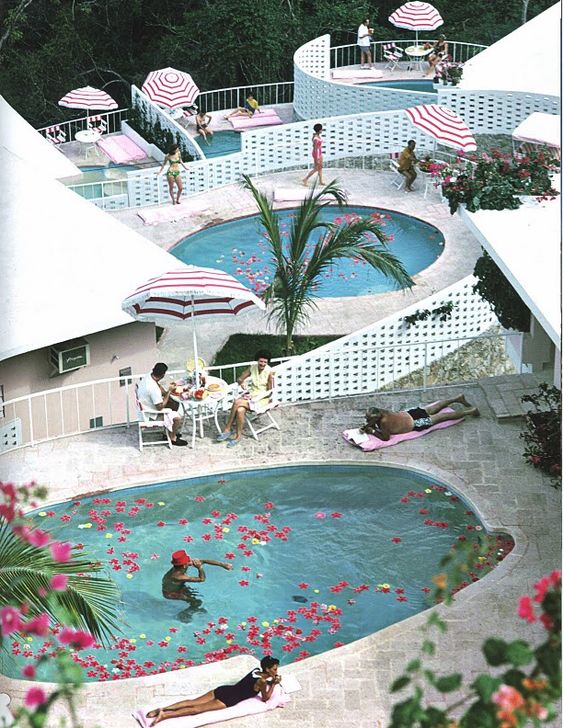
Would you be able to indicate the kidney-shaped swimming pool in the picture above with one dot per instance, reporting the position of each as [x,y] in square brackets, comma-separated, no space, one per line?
[239,247]
[321,556]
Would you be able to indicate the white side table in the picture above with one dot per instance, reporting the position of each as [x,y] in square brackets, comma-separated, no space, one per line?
[88,138]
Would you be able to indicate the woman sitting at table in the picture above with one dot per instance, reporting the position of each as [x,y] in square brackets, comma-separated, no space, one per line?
[255,399]
[437,54]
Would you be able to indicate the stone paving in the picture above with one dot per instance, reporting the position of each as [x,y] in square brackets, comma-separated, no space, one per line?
[481,458]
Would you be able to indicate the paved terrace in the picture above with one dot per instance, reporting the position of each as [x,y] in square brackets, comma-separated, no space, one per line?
[334,315]
[481,458]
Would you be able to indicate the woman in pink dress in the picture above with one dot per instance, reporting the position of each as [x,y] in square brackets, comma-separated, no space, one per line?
[317,155]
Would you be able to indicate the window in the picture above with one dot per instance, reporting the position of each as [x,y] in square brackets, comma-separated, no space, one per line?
[96,422]
[125,376]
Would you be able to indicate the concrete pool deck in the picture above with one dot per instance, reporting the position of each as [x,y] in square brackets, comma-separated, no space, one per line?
[481,458]
[333,315]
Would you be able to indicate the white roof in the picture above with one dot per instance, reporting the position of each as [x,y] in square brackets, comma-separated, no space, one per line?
[66,265]
[526,60]
[26,143]
[539,129]
[525,244]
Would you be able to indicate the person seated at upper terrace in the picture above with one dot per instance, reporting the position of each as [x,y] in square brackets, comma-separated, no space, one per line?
[153,396]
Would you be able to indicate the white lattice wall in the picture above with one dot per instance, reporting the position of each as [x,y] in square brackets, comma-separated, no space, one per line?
[495,112]
[315,95]
[381,353]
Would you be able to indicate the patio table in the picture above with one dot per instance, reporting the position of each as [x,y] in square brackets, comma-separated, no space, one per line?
[200,410]
[88,137]
[417,54]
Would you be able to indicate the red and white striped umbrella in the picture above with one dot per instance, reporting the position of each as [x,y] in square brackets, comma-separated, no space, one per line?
[88,98]
[187,293]
[170,88]
[444,125]
[416,16]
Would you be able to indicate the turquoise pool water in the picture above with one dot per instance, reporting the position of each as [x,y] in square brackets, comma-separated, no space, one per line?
[321,556]
[114,173]
[420,85]
[222,143]
[239,248]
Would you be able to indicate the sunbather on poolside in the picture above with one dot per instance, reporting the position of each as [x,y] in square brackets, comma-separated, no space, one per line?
[385,423]
[257,681]
[251,105]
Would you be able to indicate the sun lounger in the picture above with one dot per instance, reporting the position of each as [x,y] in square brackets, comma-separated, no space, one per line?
[367,443]
[251,706]
[120,149]
[241,123]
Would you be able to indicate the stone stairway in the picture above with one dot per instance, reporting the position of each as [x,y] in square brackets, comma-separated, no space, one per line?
[504,393]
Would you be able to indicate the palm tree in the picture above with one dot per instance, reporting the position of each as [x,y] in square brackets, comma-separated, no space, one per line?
[89,602]
[298,268]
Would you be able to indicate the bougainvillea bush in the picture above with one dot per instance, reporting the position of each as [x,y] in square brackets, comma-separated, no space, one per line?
[543,431]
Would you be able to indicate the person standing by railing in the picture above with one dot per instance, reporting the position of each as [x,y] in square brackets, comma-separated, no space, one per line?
[364,37]
[173,175]
[317,155]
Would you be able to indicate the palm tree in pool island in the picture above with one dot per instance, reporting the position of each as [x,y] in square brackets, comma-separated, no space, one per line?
[300,265]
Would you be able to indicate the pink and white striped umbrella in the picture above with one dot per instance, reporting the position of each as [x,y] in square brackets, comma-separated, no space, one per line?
[187,293]
[88,98]
[444,125]
[170,88]
[416,16]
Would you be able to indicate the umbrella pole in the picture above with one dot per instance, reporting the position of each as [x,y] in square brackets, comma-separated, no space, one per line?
[195,347]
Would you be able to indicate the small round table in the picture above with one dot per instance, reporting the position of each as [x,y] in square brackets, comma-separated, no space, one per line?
[417,53]
[88,137]
[202,409]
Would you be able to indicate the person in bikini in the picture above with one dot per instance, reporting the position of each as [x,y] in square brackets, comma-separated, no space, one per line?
[258,681]
[317,156]
[203,121]
[173,177]
[385,423]
[437,54]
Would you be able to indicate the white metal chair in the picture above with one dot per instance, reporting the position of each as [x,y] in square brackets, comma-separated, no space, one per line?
[151,420]
[96,123]
[392,54]
[398,180]
[254,418]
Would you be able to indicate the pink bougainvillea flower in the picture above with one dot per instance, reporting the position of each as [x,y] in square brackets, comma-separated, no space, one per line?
[183,522]
[37,625]
[160,524]
[405,499]
[336,514]
[188,539]
[320,514]
[525,609]
[303,585]
[268,506]
[401,598]
[399,590]
[509,699]
[60,551]
[425,589]
[42,592]
[37,537]
[229,555]
[423,511]
[35,697]
[10,620]
[396,539]
[28,671]
[243,582]
[76,638]
[59,582]
[199,499]
[154,556]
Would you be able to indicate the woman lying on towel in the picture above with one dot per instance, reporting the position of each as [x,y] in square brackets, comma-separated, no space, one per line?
[257,681]
[384,423]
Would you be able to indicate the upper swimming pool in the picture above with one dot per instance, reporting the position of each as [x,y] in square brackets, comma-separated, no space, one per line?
[322,555]
[222,143]
[421,85]
[239,247]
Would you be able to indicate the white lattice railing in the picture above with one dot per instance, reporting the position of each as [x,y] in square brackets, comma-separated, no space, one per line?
[366,361]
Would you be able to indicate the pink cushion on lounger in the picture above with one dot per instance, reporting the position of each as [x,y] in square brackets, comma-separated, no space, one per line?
[374,443]
[246,707]
[120,149]
[240,123]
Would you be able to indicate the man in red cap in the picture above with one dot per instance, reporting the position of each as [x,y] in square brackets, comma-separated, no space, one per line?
[176,579]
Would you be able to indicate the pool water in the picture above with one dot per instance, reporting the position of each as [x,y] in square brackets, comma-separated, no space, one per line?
[114,173]
[222,143]
[321,556]
[240,248]
[419,85]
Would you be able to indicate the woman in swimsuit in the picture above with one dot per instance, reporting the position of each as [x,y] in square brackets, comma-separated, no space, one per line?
[174,159]
[438,52]
[317,155]
[203,120]
[257,681]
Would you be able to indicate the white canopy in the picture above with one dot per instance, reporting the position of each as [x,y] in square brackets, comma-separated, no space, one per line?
[525,244]
[526,60]
[26,143]
[539,129]
[66,265]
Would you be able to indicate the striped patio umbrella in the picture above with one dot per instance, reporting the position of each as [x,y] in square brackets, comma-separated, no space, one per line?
[444,125]
[170,88]
[88,98]
[416,16]
[187,293]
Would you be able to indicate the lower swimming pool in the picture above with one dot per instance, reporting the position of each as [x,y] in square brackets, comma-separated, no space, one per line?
[239,247]
[321,556]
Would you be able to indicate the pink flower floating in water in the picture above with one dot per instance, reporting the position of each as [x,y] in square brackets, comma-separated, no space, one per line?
[303,585]
[336,514]
[78,639]
[320,514]
[199,499]
[396,539]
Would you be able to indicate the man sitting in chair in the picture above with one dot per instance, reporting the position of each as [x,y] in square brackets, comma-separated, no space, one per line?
[155,397]
[258,381]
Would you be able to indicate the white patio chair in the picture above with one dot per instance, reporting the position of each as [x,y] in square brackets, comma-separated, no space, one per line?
[55,135]
[151,420]
[398,180]
[392,54]
[255,419]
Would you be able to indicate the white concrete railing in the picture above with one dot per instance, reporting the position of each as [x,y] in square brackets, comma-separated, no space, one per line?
[366,361]
[267,94]
[113,120]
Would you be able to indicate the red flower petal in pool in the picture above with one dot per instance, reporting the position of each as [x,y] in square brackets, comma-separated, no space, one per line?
[401,599]
[361,588]
[428,522]
[229,555]
[303,585]
[163,643]
[405,499]
[245,568]
[468,513]
[396,539]
[65,518]
[206,521]
[182,521]
[160,524]
[215,514]
[336,514]
[199,499]
[243,582]
[399,590]
[206,537]
[425,589]
[423,511]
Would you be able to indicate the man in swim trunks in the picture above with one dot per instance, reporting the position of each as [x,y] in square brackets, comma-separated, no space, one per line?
[174,584]
[384,423]
[250,107]
[258,680]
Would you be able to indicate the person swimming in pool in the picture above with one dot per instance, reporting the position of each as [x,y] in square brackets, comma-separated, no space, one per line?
[175,581]
[385,423]
[257,681]
[173,176]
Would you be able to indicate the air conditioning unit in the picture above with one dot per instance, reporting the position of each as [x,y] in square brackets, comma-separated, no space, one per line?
[69,355]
